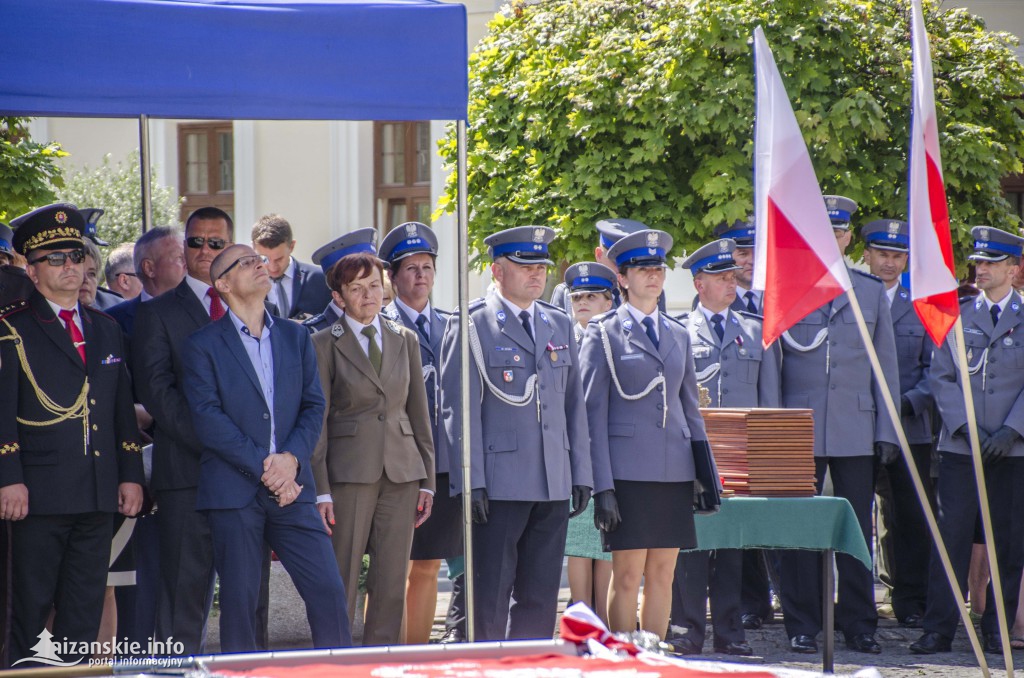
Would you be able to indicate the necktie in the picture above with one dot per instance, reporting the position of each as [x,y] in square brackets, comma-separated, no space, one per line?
[216,307]
[751,304]
[68,316]
[648,324]
[421,325]
[374,350]
[994,310]
[283,307]
[525,317]
[716,325]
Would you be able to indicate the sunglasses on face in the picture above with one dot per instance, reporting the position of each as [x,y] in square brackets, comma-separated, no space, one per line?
[197,241]
[58,258]
[243,263]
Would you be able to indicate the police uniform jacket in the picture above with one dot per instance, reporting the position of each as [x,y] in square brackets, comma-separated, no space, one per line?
[321,321]
[430,357]
[74,465]
[739,372]
[835,378]
[374,424]
[914,355]
[638,439]
[535,452]
[995,355]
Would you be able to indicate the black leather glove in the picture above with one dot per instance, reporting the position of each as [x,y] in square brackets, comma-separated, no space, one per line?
[997,446]
[886,453]
[580,499]
[480,506]
[606,511]
[906,407]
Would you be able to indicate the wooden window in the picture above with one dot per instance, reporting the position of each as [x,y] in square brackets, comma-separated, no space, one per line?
[402,154]
[206,166]
[1013,191]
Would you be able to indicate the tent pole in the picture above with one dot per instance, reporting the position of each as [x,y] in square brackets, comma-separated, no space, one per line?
[467,482]
[144,173]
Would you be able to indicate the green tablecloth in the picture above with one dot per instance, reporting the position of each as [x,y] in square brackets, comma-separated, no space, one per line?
[784,522]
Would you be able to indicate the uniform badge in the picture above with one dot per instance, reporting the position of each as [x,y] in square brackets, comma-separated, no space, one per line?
[538,235]
[652,239]
[970,355]
[1007,341]
[1015,306]
[584,270]
[110,360]
[554,356]
[627,325]
[831,203]
[544,317]
[516,358]
[410,229]
[500,315]
[982,234]
[743,351]
[393,326]
[894,228]
[723,245]
[337,330]
[903,294]
[60,217]
[507,375]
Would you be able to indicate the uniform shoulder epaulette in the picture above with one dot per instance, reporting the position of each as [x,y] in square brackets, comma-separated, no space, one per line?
[394,325]
[441,312]
[748,314]
[474,305]
[12,308]
[546,304]
[102,314]
[313,320]
[681,317]
[865,274]
[601,317]
[968,299]
[677,321]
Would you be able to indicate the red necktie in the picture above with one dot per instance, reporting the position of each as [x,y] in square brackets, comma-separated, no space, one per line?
[68,316]
[216,307]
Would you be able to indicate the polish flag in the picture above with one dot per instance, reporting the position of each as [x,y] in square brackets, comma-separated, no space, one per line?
[933,284]
[797,261]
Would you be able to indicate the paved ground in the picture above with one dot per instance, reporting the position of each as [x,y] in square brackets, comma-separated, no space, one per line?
[289,630]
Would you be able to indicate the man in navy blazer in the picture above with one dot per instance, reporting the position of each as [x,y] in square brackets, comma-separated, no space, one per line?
[299,290]
[257,406]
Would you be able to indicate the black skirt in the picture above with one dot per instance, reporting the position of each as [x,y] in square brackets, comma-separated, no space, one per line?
[441,536]
[654,516]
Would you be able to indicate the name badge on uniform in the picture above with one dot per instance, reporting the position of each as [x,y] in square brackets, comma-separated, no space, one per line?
[972,330]
[701,351]
[507,375]
[632,356]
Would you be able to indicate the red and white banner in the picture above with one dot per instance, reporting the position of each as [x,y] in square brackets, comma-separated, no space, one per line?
[933,284]
[797,261]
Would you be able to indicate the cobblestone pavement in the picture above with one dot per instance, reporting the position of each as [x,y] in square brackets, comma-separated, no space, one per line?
[289,630]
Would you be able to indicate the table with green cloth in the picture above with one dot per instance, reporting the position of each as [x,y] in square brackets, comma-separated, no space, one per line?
[826,524]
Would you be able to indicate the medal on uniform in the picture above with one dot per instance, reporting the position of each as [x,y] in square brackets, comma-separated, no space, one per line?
[1007,341]
[516,359]
[507,375]
[743,351]
[970,355]
[554,356]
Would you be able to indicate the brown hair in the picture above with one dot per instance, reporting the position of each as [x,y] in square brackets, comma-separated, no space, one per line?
[352,266]
[272,230]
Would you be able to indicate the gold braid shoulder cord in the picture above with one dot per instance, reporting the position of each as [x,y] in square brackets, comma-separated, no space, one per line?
[78,410]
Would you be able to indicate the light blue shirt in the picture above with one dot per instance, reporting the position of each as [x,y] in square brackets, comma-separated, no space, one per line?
[261,355]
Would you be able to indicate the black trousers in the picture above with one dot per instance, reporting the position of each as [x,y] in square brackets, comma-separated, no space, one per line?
[456,616]
[854,479]
[958,513]
[907,544]
[59,561]
[518,558]
[756,582]
[708,574]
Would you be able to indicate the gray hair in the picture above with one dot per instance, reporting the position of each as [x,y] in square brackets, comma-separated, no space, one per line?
[91,250]
[119,260]
[144,245]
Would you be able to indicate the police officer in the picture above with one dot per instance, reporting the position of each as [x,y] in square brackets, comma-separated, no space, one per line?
[647,436]
[359,240]
[70,451]
[993,325]
[825,368]
[907,542]
[741,232]
[609,232]
[410,250]
[104,297]
[528,433]
[738,372]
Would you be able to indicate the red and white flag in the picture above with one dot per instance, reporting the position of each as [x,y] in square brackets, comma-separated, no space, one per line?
[933,284]
[797,261]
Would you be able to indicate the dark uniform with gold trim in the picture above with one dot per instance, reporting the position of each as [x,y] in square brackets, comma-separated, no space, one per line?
[68,433]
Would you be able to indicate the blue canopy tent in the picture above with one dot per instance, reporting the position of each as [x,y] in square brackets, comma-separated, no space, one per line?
[243,59]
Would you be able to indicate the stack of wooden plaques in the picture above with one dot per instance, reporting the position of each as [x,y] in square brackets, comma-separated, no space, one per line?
[763,452]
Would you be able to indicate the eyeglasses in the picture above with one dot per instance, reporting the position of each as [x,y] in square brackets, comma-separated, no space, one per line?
[133,275]
[58,258]
[196,242]
[243,263]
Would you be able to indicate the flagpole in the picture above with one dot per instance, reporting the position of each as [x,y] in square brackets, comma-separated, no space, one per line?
[915,477]
[979,477]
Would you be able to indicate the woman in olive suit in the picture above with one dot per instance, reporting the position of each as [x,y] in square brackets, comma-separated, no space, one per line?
[374,463]
[647,435]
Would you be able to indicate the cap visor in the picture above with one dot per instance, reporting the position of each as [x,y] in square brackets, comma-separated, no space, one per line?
[889,248]
[987,256]
[527,262]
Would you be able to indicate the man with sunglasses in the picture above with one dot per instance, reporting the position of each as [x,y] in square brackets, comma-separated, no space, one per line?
[69,451]
[158,364]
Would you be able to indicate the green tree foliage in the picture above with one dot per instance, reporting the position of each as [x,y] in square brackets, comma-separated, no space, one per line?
[28,169]
[117,188]
[581,109]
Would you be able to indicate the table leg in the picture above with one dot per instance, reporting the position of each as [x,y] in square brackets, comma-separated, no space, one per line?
[828,617]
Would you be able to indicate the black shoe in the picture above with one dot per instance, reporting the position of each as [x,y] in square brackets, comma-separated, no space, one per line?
[453,635]
[911,621]
[992,643]
[737,649]
[931,643]
[803,644]
[864,642]
[752,622]
[684,645]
